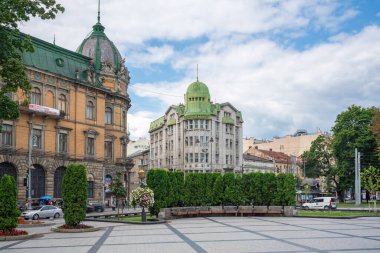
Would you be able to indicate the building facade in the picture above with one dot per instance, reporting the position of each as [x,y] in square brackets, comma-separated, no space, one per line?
[253,163]
[198,136]
[140,160]
[137,145]
[294,144]
[76,113]
[282,163]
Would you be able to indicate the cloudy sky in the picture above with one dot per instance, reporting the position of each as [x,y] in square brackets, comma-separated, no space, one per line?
[286,65]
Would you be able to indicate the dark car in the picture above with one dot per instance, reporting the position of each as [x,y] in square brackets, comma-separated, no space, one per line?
[90,208]
[97,207]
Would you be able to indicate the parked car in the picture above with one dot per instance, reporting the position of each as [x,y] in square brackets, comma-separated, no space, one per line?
[42,212]
[321,203]
[90,208]
[98,207]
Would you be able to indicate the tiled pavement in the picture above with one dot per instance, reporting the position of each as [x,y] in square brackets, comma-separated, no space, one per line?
[214,234]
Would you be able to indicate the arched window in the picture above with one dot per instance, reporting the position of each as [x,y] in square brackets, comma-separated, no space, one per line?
[36,96]
[38,181]
[90,110]
[9,169]
[62,103]
[58,177]
[108,115]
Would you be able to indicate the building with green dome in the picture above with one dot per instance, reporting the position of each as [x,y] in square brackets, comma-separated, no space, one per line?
[198,136]
[76,113]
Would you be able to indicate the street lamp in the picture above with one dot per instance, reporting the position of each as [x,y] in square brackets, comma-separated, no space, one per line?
[32,143]
[141,174]
[211,141]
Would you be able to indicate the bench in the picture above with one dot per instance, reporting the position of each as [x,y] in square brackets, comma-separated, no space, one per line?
[260,210]
[204,210]
[230,210]
[276,210]
[245,210]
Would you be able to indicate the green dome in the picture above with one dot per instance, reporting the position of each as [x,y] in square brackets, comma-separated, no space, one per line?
[198,103]
[198,89]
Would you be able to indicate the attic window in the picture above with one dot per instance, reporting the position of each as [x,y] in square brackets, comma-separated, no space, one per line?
[59,62]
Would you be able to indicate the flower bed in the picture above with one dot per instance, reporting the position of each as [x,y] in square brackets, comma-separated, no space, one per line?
[13,232]
[22,221]
[80,226]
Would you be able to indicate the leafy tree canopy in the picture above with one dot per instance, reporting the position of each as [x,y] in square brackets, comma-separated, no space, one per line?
[12,71]
[370,178]
[352,130]
[376,128]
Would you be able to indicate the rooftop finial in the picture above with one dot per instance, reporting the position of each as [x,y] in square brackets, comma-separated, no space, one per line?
[98,11]
[197,73]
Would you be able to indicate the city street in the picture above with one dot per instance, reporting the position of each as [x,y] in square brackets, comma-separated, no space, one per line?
[213,234]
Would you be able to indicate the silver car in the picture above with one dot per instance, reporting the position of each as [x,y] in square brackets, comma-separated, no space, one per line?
[42,212]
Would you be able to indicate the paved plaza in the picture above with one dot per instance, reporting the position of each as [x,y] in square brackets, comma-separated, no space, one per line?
[214,234]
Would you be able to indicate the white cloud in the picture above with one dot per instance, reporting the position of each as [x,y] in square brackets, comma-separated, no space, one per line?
[139,122]
[151,55]
[130,23]
[280,90]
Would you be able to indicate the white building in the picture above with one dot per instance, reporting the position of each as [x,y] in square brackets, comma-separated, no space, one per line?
[138,145]
[200,136]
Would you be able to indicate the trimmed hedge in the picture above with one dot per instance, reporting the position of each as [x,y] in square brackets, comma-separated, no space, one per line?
[8,203]
[74,193]
[213,189]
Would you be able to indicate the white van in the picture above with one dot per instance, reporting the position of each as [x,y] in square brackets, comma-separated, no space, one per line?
[321,203]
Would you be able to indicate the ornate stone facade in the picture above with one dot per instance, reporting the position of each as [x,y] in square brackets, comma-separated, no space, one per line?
[76,113]
[199,136]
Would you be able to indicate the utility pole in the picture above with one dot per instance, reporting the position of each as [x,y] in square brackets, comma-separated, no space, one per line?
[358,196]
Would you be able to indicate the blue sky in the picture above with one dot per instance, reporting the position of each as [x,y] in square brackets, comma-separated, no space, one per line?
[286,65]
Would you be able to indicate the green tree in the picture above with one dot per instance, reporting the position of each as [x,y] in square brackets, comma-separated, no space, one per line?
[370,179]
[74,194]
[320,160]
[376,129]
[118,190]
[12,43]
[352,130]
[8,203]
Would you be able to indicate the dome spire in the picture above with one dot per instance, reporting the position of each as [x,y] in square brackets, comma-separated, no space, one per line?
[98,11]
[197,73]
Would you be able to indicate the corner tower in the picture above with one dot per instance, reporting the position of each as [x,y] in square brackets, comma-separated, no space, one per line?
[108,67]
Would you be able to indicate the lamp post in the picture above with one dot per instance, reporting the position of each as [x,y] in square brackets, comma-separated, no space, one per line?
[32,139]
[211,141]
[141,174]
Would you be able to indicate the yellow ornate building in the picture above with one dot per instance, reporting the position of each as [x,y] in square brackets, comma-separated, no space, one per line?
[76,113]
